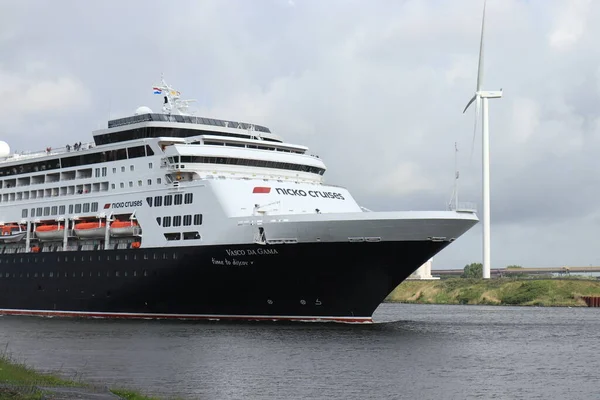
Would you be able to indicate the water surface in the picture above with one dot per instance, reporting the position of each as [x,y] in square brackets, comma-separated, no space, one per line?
[412,352]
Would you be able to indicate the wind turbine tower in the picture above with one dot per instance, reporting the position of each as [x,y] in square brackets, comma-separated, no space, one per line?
[484,95]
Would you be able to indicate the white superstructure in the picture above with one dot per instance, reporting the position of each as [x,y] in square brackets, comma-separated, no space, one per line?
[175,179]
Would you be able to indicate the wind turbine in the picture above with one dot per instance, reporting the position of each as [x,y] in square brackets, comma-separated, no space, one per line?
[485,144]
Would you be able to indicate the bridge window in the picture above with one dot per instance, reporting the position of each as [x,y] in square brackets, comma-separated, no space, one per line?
[137,151]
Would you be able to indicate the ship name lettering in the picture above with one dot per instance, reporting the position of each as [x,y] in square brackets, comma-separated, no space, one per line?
[232,253]
[312,193]
[266,251]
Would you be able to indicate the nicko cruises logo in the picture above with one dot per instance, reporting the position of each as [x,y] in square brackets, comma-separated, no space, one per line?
[301,193]
[124,204]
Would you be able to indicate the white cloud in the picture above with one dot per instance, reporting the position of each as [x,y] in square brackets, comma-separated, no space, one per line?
[570,24]
[376,89]
[21,95]
[526,119]
[406,178]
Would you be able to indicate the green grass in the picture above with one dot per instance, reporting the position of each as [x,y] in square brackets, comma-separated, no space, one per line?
[20,382]
[504,291]
[131,395]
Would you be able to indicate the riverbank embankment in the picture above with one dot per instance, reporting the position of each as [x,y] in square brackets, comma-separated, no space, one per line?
[20,382]
[502,291]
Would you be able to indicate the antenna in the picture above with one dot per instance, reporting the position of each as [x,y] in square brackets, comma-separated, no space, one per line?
[485,143]
[172,102]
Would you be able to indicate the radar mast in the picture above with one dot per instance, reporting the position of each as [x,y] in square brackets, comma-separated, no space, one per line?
[173,104]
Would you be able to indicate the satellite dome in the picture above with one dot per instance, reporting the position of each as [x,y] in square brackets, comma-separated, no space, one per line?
[4,149]
[142,110]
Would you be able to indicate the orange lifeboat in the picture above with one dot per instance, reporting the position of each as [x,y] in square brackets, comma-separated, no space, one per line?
[50,232]
[12,233]
[92,229]
[49,228]
[123,224]
[124,228]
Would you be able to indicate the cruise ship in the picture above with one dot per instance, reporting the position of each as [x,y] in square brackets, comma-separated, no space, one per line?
[175,216]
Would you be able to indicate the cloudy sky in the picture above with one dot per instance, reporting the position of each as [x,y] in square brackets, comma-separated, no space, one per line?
[376,88]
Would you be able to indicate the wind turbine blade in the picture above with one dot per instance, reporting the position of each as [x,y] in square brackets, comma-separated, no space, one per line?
[477,111]
[480,64]
[469,103]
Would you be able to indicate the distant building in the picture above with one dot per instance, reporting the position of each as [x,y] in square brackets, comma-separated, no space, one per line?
[423,272]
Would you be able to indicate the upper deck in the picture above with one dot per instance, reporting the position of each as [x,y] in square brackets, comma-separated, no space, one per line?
[189,119]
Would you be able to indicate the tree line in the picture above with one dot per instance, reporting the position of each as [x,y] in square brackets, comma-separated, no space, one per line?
[475,270]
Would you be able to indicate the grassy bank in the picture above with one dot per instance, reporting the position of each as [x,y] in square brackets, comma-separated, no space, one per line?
[19,382]
[506,291]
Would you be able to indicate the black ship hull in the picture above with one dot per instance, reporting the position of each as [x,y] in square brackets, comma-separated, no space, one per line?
[316,281]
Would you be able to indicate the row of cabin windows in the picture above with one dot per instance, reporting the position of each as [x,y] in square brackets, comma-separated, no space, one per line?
[88,258]
[186,235]
[169,199]
[85,158]
[82,274]
[65,190]
[60,210]
[247,163]
[55,192]
[139,183]
[177,220]
[249,146]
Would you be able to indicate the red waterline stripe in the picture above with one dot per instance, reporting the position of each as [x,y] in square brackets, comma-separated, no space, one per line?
[72,314]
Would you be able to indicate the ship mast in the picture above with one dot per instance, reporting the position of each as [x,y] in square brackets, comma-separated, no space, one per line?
[173,104]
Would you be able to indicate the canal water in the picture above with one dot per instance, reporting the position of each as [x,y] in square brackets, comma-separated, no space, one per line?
[412,352]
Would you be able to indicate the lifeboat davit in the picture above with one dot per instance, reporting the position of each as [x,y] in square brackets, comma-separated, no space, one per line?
[50,232]
[124,228]
[87,230]
[12,233]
